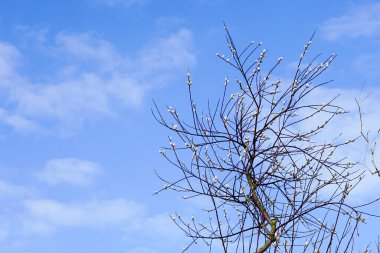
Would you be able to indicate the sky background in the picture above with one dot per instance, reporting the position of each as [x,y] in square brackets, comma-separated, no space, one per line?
[78,142]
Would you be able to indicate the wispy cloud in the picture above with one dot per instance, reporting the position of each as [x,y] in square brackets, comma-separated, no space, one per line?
[347,126]
[8,190]
[152,226]
[368,63]
[29,214]
[69,171]
[18,123]
[91,79]
[166,53]
[47,215]
[363,21]
[9,59]
[120,3]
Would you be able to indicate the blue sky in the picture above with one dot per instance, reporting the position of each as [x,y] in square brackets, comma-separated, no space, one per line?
[79,145]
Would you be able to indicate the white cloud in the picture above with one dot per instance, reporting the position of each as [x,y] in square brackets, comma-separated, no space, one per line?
[363,21]
[90,79]
[174,46]
[160,224]
[349,126]
[26,216]
[159,230]
[368,64]
[9,59]
[69,171]
[88,48]
[11,191]
[32,36]
[45,215]
[18,122]
[122,3]
[349,123]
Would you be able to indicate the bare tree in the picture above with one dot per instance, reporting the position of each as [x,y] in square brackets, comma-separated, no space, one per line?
[274,183]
